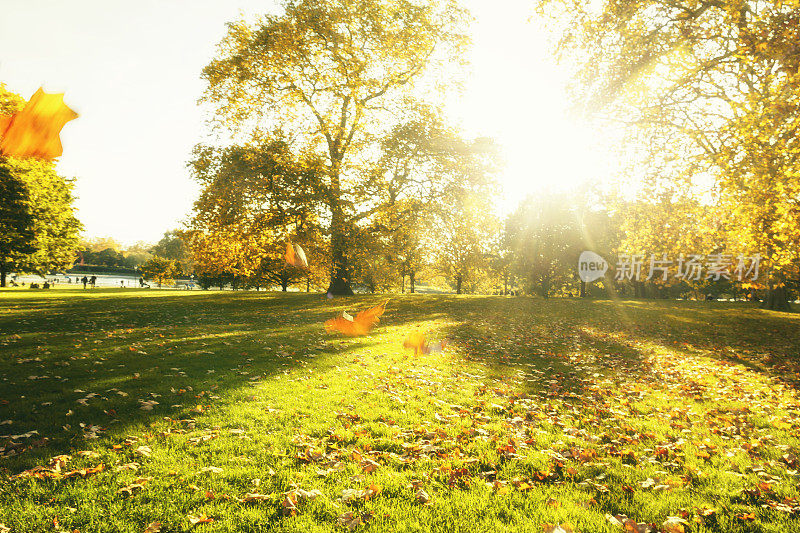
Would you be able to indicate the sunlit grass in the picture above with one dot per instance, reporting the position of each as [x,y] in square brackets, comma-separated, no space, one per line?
[557,411]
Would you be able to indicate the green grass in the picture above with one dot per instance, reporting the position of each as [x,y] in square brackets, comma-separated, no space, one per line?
[539,412]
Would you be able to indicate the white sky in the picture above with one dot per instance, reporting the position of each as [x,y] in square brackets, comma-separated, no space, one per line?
[132,72]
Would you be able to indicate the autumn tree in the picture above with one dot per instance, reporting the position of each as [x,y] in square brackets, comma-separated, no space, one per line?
[38,229]
[717,84]
[39,232]
[172,246]
[254,199]
[544,236]
[329,73]
[160,269]
[461,242]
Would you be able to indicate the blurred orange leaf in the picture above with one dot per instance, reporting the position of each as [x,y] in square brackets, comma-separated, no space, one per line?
[33,132]
[295,256]
[360,325]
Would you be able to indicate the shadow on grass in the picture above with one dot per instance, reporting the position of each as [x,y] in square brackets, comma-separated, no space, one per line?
[57,349]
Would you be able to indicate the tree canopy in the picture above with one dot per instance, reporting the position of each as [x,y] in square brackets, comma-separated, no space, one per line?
[708,91]
[330,74]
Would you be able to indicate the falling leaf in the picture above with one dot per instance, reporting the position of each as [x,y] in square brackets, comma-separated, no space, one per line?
[295,256]
[417,341]
[360,325]
[33,132]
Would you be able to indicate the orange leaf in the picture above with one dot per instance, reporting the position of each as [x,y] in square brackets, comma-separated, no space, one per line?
[201,519]
[360,325]
[415,341]
[33,132]
[295,256]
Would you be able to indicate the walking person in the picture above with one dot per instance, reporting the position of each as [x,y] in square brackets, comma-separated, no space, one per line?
[93,281]
[84,280]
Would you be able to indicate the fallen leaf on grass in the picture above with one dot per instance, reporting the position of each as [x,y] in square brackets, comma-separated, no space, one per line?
[89,454]
[289,504]
[147,405]
[369,466]
[422,497]
[254,497]
[154,527]
[350,520]
[674,524]
[558,528]
[365,494]
[144,451]
[201,519]
[630,525]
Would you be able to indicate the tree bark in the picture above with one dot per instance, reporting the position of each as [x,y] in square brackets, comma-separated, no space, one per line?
[776,300]
[458,284]
[583,289]
[411,281]
[2,277]
[340,271]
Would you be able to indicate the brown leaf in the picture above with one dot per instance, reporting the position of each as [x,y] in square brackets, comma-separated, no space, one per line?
[154,527]
[422,497]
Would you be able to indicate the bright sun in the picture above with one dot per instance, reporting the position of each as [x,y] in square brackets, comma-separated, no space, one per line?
[516,94]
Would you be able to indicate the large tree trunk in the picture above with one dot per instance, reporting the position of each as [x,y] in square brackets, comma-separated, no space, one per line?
[458,284]
[340,275]
[2,277]
[776,300]
[340,270]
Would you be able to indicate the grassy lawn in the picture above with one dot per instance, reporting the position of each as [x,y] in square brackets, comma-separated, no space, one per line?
[123,408]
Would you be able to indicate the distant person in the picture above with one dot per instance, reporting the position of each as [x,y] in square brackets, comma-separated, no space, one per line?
[46,285]
[93,281]
[84,280]
[141,282]
[121,284]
